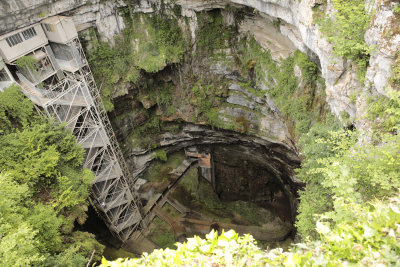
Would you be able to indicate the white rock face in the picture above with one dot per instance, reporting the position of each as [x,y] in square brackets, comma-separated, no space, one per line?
[341,82]
[268,36]
[297,25]
[103,14]
[386,45]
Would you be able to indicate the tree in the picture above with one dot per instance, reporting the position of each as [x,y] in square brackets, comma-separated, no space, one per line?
[43,189]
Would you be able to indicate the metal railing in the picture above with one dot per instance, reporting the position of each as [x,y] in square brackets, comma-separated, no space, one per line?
[73,98]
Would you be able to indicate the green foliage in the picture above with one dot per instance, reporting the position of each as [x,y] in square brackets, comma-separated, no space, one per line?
[109,65]
[15,109]
[345,118]
[152,126]
[315,199]
[158,93]
[27,63]
[370,237]
[46,189]
[145,135]
[346,32]
[308,68]
[162,234]
[150,42]
[19,247]
[396,9]
[77,253]
[43,189]
[337,167]
[353,97]
[70,257]
[161,155]
[158,171]
[206,195]
[385,112]
[395,78]
[212,34]
[250,212]
[190,181]
[206,98]
[212,118]
[157,40]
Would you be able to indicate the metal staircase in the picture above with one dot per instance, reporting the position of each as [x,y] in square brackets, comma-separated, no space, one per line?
[73,98]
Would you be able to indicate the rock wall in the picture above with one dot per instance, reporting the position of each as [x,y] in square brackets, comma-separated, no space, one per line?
[296,25]
[86,13]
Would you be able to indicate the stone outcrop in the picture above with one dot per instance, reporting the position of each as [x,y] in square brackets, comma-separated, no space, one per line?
[384,35]
[86,13]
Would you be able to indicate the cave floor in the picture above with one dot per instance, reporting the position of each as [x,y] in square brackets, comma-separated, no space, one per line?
[184,205]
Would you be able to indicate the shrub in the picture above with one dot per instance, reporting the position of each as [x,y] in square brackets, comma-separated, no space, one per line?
[309,69]
[212,34]
[346,32]
[16,110]
[161,155]
[371,237]
[27,62]
[385,112]
[337,167]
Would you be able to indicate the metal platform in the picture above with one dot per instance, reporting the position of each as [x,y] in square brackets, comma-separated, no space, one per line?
[70,96]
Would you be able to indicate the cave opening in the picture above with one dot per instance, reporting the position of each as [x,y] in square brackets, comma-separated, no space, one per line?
[241,186]
[241,175]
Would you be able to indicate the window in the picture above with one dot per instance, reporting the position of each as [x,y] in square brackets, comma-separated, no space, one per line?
[14,40]
[49,27]
[29,33]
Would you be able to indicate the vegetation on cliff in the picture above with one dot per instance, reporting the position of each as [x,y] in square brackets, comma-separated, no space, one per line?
[43,190]
[346,31]
[148,43]
[301,105]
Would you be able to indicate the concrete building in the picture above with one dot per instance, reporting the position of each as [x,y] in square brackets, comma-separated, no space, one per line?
[21,42]
[59,29]
[55,75]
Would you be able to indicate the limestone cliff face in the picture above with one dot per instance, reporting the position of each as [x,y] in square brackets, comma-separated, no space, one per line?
[296,30]
[297,25]
[86,13]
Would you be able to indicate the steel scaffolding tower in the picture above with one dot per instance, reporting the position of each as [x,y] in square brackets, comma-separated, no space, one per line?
[70,96]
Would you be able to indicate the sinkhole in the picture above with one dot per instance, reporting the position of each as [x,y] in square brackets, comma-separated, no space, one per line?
[214,180]
[238,183]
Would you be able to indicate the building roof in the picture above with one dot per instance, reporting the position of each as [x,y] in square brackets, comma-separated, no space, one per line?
[2,37]
[53,19]
[50,20]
